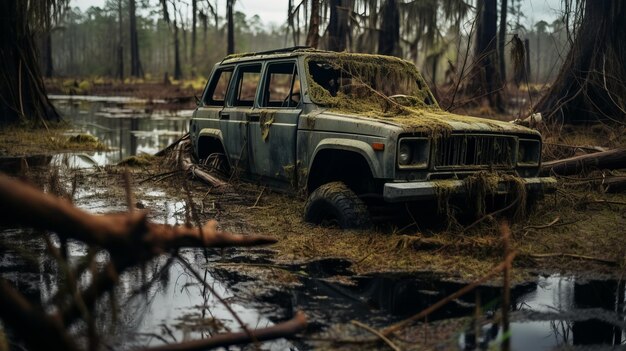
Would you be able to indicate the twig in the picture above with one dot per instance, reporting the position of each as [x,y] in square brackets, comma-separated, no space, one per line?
[257,198]
[285,329]
[544,226]
[377,333]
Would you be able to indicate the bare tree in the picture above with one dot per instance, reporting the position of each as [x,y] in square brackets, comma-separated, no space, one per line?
[338,25]
[485,54]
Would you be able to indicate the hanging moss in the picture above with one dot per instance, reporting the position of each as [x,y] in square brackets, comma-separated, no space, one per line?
[265,122]
[415,108]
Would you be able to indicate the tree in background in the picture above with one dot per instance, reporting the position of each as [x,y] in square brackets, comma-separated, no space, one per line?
[135,63]
[502,39]
[120,45]
[591,84]
[230,4]
[485,53]
[389,35]
[338,25]
[22,92]
[313,36]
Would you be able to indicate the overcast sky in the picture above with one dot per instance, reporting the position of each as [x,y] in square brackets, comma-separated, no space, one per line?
[276,10]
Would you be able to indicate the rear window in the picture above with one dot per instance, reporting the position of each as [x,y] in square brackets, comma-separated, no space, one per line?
[218,87]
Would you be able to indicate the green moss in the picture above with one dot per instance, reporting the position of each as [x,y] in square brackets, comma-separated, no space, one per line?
[265,121]
[416,109]
[137,160]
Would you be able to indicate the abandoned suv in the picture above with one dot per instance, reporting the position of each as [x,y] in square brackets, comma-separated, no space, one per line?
[347,128]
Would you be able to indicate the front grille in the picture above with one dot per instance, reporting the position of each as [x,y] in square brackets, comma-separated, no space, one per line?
[475,151]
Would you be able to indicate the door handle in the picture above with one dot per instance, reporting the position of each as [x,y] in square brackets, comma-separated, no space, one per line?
[224,115]
[253,117]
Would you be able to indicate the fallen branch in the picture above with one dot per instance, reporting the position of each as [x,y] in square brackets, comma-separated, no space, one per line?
[24,205]
[612,159]
[582,257]
[281,330]
[187,165]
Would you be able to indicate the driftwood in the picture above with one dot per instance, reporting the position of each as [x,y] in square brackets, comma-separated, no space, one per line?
[130,239]
[612,159]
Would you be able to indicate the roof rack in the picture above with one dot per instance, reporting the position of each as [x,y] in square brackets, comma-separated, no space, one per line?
[275,51]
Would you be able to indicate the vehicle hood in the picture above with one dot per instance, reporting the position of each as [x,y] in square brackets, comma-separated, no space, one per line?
[439,122]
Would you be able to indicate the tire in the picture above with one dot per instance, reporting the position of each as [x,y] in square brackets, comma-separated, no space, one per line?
[336,203]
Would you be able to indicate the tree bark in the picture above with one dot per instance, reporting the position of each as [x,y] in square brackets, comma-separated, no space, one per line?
[591,84]
[389,36]
[502,39]
[313,37]
[22,92]
[135,63]
[485,52]
[231,27]
[338,25]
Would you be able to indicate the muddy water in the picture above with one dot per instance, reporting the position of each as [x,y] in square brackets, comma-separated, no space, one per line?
[553,311]
[127,127]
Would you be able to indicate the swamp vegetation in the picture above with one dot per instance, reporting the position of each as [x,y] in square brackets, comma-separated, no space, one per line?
[112,239]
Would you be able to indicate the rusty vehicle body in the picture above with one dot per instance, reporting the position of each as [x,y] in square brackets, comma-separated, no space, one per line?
[274,117]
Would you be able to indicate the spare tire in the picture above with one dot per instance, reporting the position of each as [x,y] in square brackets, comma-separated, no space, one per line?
[336,203]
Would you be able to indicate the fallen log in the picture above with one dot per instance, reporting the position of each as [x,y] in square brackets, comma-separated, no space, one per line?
[187,165]
[608,184]
[612,159]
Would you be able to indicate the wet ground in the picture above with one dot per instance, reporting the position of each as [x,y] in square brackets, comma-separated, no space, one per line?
[551,311]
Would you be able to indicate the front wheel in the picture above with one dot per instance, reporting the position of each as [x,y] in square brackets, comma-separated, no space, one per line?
[335,203]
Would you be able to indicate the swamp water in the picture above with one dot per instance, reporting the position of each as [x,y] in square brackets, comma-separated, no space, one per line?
[554,311]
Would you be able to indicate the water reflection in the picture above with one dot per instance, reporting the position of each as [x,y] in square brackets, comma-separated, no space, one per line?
[127,129]
[563,311]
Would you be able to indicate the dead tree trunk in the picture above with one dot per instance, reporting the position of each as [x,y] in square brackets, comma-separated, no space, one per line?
[485,53]
[591,85]
[231,27]
[338,25]
[22,92]
[135,63]
[612,159]
[313,36]
[389,36]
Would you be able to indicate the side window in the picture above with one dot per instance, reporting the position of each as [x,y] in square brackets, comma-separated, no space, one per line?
[282,86]
[216,92]
[248,78]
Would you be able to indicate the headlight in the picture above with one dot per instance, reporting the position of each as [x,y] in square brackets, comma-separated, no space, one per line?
[413,153]
[528,153]
[404,154]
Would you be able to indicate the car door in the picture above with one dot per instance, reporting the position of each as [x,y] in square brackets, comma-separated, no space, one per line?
[207,114]
[273,124]
[233,119]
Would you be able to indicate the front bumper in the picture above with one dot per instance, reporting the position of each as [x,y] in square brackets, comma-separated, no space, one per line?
[412,191]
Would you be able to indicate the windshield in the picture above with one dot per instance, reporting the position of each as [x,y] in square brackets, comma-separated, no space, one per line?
[367,83]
